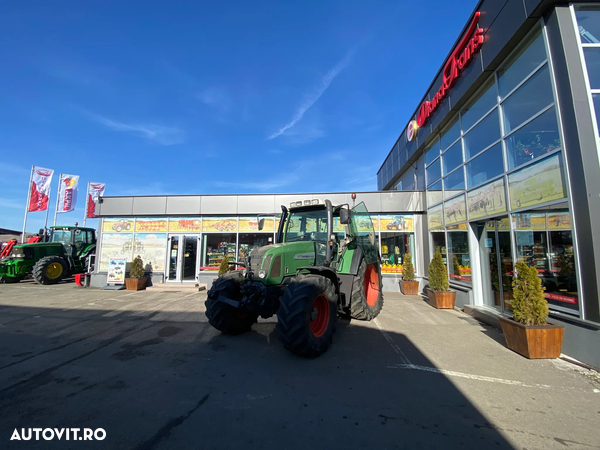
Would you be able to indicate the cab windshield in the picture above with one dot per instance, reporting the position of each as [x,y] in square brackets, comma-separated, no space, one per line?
[62,236]
[306,226]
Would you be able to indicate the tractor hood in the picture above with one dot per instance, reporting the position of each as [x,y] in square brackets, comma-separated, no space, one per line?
[36,251]
[278,260]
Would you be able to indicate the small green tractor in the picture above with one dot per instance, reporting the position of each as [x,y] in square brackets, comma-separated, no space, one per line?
[65,253]
[324,263]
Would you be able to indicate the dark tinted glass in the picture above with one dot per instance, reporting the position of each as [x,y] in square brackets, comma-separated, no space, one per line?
[434,172]
[483,135]
[477,109]
[432,153]
[528,100]
[588,22]
[452,158]
[450,135]
[485,166]
[592,61]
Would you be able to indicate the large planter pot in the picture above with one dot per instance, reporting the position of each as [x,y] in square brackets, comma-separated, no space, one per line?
[441,299]
[135,284]
[533,341]
[409,287]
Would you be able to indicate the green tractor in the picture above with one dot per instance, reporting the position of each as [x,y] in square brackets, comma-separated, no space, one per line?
[65,253]
[324,263]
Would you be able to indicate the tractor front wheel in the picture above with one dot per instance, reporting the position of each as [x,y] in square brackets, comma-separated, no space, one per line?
[307,314]
[367,297]
[222,316]
[50,269]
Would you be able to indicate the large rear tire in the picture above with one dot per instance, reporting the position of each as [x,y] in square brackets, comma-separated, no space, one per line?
[367,296]
[307,314]
[50,269]
[222,316]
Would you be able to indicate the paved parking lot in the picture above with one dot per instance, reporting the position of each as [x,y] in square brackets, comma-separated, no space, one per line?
[148,369]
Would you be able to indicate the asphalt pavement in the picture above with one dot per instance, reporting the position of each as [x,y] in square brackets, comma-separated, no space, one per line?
[148,369]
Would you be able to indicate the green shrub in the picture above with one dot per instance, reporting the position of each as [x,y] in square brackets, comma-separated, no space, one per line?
[455,266]
[137,268]
[408,271]
[224,267]
[529,306]
[438,276]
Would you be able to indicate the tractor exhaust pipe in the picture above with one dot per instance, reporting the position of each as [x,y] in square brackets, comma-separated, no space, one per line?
[329,209]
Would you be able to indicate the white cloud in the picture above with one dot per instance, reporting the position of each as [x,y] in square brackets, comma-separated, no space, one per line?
[11,172]
[157,134]
[312,97]
[216,98]
[261,186]
[9,203]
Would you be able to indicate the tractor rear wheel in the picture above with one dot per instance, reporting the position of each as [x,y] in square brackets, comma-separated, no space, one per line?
[367,297]
[307,314]
[50,269]
[222,316]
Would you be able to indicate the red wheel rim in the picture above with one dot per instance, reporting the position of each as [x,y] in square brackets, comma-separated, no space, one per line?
[319,319]
[371,285]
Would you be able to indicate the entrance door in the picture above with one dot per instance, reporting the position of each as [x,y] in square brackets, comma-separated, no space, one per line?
[497,263]
[182,258]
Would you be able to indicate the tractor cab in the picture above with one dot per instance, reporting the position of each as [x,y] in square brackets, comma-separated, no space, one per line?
[75,240]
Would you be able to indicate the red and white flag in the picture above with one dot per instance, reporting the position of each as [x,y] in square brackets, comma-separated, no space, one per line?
[67,193]
[95,190]
[40,189]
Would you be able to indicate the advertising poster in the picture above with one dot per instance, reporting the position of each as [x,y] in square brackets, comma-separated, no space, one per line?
[115,245]
[435,217]
[184,224]
[559,221]
[116,271]
[455,210]
[152,248]
[503,224]
[151,225]
[117,225]
[530,221]
[397,223]
[219,224]
[460,226]
[249,224]
[487,200]
[539,183]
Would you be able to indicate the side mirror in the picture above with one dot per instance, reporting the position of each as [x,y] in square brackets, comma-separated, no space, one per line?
[261,224]
[345,216]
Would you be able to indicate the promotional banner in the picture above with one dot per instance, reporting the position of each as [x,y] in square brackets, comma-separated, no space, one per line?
[94,191]
[40,189]
[67,193]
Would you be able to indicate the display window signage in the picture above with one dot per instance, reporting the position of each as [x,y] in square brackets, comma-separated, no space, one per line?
[459,59]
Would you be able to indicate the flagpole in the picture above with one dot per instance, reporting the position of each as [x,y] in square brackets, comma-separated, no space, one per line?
[48,206]
[87,193]
[27,205]
[57,199]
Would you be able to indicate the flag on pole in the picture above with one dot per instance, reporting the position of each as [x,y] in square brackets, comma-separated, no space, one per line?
[67,193]
[95,190]
[39,189]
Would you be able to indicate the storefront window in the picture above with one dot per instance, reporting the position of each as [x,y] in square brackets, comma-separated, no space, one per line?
[563,290]
[522,64]
[249,241]
[528,100]
[477,109]
[452,158]
[537,138]
[393,248]
[438,241]
[483,135]
[216,246]
[459,263]
[486,166]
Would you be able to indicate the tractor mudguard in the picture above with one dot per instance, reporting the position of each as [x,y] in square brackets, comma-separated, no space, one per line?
[357,258]
[325,272]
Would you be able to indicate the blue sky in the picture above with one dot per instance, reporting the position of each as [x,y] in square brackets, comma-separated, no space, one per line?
[185,97]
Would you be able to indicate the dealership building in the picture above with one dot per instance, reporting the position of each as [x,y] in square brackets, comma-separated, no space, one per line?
[498,164]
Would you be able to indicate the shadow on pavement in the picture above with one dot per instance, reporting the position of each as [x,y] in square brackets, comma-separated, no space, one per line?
[168,380]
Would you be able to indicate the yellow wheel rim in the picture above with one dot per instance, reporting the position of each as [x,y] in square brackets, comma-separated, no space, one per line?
[54,271]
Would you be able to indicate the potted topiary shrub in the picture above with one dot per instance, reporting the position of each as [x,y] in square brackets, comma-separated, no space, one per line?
[527,332]
[439,294]
[408,285]
[224,267]
[136,280]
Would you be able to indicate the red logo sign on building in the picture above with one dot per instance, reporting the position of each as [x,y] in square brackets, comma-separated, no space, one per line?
[460,58]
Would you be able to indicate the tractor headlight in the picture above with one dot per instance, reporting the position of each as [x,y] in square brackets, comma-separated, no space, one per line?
[19,255]
[262,274]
